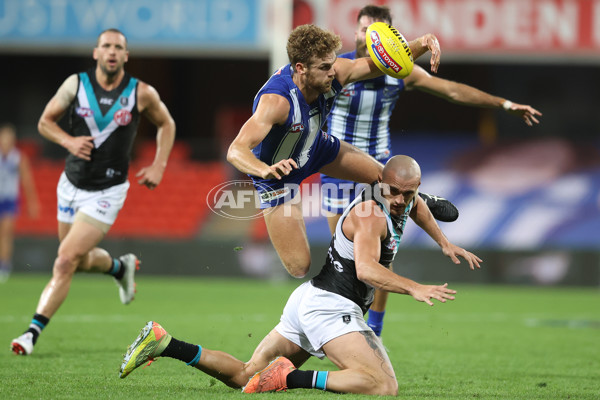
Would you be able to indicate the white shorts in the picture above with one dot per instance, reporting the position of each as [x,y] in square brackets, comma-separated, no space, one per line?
[312,317]
[102,205]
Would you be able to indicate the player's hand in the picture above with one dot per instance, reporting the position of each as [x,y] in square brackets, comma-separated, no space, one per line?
[150,176]
[430,41]
[527,113]
[81,146]
[425,293]
[454,252]
[280,169]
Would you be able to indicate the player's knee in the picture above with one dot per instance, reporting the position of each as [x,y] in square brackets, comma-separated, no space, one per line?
[379,384]
[67,262]
[388,387]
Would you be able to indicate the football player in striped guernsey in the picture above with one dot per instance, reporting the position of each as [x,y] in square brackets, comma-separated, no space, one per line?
[361,116]
[283,142]
[103,107]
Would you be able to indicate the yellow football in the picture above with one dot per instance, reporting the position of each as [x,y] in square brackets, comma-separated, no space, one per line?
[389,50]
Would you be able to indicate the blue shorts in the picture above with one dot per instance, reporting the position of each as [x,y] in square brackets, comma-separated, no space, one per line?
[8,207]
[273,192]
[337,194]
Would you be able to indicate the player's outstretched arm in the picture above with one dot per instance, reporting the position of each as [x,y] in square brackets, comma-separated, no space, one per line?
[155,111]
[422,217]
[272,109]
[348,71]
[460,93]
[366,227]
[79,146]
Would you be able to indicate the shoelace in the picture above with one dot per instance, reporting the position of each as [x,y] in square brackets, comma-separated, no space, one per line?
[151,360]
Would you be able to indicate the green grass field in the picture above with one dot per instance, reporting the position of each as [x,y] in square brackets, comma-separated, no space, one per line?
[492,342]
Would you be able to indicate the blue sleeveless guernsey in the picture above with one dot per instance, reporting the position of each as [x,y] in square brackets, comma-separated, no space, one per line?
[360,116]
[300,138]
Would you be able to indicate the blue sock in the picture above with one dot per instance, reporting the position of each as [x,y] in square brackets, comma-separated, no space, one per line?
[375,321]
[307,379]
[37,325]
[116,269]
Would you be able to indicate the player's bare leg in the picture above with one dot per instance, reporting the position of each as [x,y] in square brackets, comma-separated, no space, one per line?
[364,365]
[7,223]
[354,165]
[235,373]
[287,231]
[77,242]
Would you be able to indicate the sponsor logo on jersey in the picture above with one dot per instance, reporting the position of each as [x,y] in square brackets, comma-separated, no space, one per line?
[348,92]
[346,319]
[124,101]
[297,128]
[274,194]
[84,112]
[67,210]
[392,245]
[103,203]
[122,117]
[111,172]
[106,100]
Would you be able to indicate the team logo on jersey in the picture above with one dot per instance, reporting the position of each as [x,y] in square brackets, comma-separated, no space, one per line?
[103,203]
[122,117]
[296,128]
[84,112]
[392,245]
[346,319]
[124,101]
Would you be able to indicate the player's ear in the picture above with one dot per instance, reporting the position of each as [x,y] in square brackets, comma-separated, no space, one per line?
[300,68]
[95,53]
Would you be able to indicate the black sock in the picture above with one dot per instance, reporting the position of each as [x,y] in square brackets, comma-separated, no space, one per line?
[116,268]
[307,379]
[38,323]
[186,352]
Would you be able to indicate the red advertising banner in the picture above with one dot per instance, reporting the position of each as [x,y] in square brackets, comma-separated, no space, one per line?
[479,29]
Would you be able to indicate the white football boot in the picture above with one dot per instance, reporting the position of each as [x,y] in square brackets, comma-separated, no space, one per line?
[23,345]
[127,283]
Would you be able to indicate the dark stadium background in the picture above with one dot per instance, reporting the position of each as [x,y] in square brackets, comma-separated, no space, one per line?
[210,95]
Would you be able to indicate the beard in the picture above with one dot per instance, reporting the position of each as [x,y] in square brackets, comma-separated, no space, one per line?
[361,48]
[320,86]
[108,72]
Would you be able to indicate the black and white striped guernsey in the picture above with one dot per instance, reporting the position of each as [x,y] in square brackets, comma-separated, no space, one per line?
[112,118]
[338,275]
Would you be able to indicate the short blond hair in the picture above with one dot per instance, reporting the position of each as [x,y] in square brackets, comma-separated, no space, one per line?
[308,41]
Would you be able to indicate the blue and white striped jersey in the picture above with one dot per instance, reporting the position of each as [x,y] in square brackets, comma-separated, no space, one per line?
[296,137]
[362,112]
[9,175]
